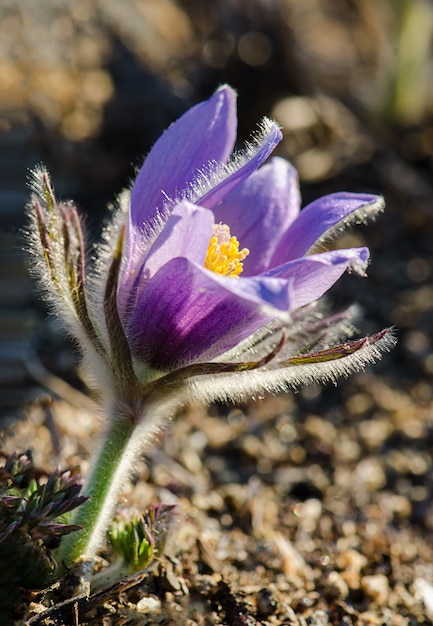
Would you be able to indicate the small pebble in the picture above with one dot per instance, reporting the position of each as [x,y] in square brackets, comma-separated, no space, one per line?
[336,586]
[149,604]
[318,618]
[425,591]
[351,560]
[376,587]
[265,602]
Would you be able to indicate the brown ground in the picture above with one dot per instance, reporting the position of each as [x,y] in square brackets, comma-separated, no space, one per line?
[287,513]
[312,509]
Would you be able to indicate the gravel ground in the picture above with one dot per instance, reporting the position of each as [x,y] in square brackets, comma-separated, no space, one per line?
[287,513]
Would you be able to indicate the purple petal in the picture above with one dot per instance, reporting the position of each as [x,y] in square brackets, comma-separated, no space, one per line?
[207,132]
[260,210]
[239,171]
[186,234]
[187,314]
[310,277]
[316,219]
[134,256]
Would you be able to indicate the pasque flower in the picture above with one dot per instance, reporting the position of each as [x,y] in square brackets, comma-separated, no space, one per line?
[206,285]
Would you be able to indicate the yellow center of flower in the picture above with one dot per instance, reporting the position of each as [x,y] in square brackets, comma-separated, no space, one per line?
[223,254]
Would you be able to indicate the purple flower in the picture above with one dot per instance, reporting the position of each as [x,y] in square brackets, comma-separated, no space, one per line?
[208,279]
[206,286]
[175,307]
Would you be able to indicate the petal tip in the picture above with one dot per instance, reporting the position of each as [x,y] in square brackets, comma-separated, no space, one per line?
[359,262]
[227,90]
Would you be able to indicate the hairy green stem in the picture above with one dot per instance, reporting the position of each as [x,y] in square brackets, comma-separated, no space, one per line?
[106,477]
[130,430]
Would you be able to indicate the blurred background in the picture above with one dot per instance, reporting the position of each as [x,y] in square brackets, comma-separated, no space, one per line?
[87,86]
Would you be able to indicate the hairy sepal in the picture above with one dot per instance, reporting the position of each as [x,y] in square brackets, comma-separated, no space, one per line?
[315,367]
[57,245]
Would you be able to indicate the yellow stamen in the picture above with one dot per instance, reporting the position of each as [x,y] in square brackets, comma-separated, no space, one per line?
[223,254]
